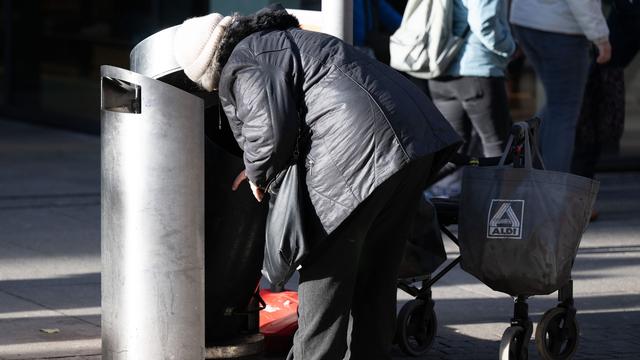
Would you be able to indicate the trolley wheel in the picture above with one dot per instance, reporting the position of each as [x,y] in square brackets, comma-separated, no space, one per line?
[513,345]
[416,327]
[556,338]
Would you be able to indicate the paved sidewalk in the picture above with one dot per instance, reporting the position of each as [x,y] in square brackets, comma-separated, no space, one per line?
[49,242]
[50,263]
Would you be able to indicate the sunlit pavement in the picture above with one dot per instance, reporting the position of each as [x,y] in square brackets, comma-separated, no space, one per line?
[50,263]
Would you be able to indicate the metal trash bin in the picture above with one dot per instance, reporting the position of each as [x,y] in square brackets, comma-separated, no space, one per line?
[169,291]
[152,219]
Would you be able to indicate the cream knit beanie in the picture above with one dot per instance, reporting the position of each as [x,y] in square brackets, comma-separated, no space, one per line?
[195,44]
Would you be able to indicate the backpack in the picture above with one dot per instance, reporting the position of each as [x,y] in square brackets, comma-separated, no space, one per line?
[424,45]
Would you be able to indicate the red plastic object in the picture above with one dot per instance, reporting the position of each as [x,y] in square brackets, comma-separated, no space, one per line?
[279,320]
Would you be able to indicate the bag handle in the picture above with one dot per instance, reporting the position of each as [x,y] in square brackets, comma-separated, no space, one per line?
[534,135]
[528,163]
[506,152]
[530,150]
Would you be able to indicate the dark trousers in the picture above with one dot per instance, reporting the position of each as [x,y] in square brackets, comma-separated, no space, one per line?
[354,275]
[585,159]
[601,121]
[475,103]
[561,61]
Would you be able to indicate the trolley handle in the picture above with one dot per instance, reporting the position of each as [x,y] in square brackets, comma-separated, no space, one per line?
[459,160]
[465,160]
[518,129]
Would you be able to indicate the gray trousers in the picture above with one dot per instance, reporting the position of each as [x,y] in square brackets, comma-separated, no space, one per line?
[475,103]
[353,276]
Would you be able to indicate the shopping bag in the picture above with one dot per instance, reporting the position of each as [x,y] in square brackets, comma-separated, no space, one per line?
[286,230]
[520,228]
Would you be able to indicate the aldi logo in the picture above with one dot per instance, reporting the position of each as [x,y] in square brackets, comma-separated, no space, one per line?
[505,219]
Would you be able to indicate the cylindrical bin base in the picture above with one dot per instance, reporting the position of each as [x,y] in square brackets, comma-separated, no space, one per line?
[242,347]
[152,219]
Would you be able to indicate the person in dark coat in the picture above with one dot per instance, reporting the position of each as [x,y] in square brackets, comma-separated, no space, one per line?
[372,141]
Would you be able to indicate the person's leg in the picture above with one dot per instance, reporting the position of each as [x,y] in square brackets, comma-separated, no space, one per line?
[526,39]
[564,85]
[564,74]
[585,158]
[445,98]
[327,281]
[485,102]
[586,148]
[374,302]
[610,125]
[325,293]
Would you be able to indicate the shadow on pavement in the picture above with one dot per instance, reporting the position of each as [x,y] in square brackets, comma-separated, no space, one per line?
[58,294]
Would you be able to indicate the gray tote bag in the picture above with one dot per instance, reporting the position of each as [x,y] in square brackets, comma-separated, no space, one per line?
[520,228]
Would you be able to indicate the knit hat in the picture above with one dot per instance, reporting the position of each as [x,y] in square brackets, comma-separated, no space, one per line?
[195,44]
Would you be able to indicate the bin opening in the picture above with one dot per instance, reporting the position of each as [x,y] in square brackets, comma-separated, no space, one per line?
[120,96]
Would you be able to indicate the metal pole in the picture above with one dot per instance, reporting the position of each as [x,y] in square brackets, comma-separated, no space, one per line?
[152,219]
[338,19]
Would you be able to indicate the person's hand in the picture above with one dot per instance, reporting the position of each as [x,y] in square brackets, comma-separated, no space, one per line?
[604,51]
[257,192]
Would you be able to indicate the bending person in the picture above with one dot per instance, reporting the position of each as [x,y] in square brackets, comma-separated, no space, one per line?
[374,139]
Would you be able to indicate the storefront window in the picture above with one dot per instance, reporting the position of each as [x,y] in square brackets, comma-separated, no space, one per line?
[51,57]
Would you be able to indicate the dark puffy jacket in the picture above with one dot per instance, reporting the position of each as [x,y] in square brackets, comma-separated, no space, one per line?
[365,121]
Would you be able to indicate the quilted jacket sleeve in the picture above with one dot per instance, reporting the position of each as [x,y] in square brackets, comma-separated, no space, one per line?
[259,101]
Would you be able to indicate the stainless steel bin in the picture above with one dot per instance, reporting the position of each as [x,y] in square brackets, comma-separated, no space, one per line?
[152,219]
[167,292]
